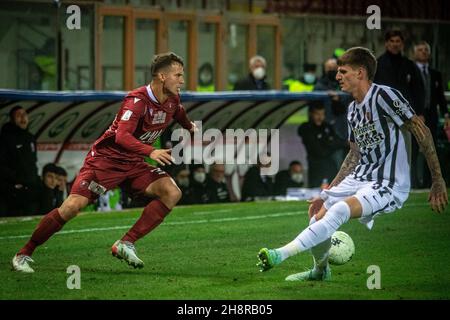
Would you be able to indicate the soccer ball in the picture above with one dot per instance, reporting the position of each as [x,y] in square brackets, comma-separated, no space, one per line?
[342,248]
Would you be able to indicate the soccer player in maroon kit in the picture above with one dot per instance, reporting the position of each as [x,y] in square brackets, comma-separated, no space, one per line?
[117,158]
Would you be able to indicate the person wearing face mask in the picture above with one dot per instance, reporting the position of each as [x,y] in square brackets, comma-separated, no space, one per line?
[19,180]
[206,78]
[306,82]
[183,182]
[291,178]
[216,186]
[256,79]
[198,188]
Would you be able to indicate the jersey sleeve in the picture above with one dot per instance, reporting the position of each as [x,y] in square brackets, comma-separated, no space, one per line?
[132,111]
[395,105]
[181,117]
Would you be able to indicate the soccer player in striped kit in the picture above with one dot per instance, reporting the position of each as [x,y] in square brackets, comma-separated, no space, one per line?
[117,158]
[375,176]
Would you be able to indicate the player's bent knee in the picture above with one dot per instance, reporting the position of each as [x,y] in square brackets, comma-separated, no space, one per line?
[171,195]
[72,206]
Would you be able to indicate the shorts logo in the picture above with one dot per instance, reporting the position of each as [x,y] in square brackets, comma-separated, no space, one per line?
[127,115]
[157,171]
[84,183]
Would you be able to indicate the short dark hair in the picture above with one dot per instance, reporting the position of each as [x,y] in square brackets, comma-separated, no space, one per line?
[49,167]
[393,33]
[295,163]
[360,57]
[164,60]
[13,111]
[316,106]
[60,171]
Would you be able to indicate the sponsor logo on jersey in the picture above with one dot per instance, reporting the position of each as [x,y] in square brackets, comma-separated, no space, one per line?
[150,136]
[160,117]
[367,136]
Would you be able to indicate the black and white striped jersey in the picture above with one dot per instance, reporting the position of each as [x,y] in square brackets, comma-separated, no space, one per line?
[375,125]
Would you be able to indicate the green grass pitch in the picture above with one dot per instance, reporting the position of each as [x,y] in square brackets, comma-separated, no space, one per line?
[209,252]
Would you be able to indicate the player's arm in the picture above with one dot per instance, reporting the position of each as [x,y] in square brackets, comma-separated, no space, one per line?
[438,193]
[182,118]
[349,164]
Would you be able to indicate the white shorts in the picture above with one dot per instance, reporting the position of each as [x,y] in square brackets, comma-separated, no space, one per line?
[375,199]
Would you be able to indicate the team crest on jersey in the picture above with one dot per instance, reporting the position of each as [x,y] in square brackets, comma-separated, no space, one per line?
[160,117]
[369,116]
[400,108]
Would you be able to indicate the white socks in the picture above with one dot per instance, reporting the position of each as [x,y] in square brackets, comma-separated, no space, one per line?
[317,233]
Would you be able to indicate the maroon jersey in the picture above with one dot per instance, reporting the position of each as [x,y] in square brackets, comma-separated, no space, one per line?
[139,122]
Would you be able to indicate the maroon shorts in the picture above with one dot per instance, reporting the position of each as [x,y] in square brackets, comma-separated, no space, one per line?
[100,174]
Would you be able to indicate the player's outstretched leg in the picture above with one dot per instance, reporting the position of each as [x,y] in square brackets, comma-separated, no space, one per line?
[311,275]
[313,235]
[321,269]
[168,194]
[48,226]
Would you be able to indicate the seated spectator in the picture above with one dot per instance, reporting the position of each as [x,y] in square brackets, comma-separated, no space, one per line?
[216,187]
[61,185]
[256,185]
[48,197]
[291,178]
[182,179]
[199,191]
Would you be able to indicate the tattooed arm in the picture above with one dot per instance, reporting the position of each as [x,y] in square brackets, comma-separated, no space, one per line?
[347,167]
[438,194]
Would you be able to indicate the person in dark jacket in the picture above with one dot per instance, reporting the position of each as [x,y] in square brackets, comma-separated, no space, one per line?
[198,187]
[48,193]
[256,79]
[397,71]
[291,178]
[320,142]
[19,179]
[216,186]
[256,185]
[181,177]
[435,104]
[336,111]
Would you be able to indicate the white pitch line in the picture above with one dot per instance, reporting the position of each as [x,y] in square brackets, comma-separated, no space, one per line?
[280,214]
[212,211]
[174,223]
